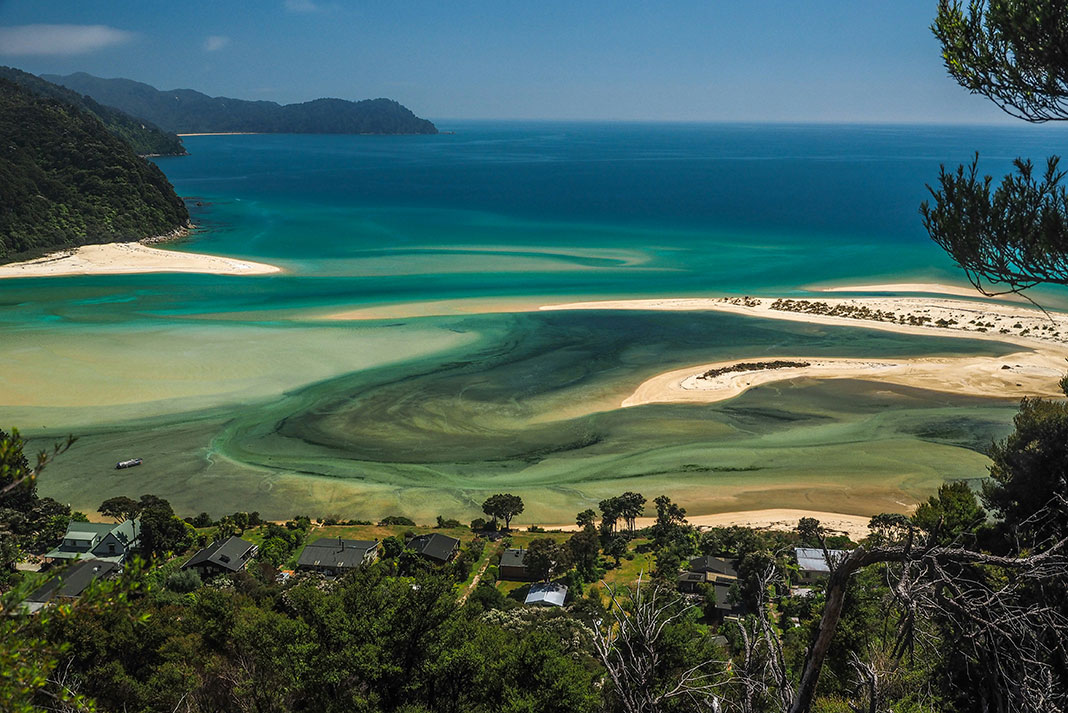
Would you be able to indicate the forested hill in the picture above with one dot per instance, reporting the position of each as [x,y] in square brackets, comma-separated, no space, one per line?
[66,181]
[188,111]
[145,138]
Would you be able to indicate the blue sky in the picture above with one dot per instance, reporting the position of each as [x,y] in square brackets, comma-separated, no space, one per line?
[713,60]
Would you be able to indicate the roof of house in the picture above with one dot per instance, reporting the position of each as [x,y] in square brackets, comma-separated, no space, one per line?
[713,564]
[435,546]
[722,593]
[87,530]
[513,557]
[126,532]
[547,593]
[695,577]
[230,554]
[73,580]
[335,553]
[812,559]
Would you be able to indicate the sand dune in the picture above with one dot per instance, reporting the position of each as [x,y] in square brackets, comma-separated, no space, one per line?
[129,258]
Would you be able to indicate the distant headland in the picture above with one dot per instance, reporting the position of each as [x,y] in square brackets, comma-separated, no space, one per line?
[185,111]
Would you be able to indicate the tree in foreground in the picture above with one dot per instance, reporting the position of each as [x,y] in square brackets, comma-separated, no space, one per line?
[1015,236]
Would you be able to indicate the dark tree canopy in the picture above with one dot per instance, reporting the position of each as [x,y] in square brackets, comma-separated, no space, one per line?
[504,506]
[1013,51]
[66,181]
[1015,235]
[1030,468]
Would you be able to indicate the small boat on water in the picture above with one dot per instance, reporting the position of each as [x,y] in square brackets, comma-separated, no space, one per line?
[128,463]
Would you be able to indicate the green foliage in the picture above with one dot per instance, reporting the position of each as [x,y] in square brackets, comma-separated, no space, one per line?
[670,528]
[583,548]
[66,181]
[280,542]
[1011,52]
[187,111]
[1029,468]
[546,558]
[161,531]
[443,523]
[627,507]
[396,520]
[183,581]
[369,643]
[504,506]
[585,518]
[138,134]
[1015,235]
[120,508]
[952,514]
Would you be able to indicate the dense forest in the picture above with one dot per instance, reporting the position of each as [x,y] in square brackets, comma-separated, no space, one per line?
[188,111]
[67,181]
[143,137]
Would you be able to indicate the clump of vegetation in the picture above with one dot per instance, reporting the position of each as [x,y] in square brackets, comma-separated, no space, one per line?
[754,366]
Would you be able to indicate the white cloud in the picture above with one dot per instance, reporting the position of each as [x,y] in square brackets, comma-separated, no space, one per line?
[215,43]
[301,6]
[59,39]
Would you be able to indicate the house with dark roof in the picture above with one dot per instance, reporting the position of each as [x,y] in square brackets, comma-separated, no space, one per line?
[547,594]
[70,583]
[513,566]
[716,565]
[222,557]
[98,540]
[334,557]
[436,547]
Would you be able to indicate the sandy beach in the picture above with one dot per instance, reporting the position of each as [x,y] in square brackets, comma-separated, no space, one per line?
[783,519]
[1034,371]
[129,258]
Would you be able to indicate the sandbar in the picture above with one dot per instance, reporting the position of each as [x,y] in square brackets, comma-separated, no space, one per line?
[931,288]
[1029,373]
[1034,371]
[130,258]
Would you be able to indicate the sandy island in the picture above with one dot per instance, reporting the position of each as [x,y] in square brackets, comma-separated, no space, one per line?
[128,258]
[1033,371]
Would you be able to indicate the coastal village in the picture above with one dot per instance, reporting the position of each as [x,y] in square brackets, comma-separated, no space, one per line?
[91,553]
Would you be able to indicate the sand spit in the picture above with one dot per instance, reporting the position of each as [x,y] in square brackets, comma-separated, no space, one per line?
[1034,371]
[130,258]
[783,519]
[931,316]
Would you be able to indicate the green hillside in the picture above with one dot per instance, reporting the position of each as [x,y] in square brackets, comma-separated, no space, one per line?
[145,138]
[188,111]
[67,181]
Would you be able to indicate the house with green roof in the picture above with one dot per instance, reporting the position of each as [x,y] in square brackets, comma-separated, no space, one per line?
[98,540]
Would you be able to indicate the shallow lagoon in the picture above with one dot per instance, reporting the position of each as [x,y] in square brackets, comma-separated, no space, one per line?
[239,396]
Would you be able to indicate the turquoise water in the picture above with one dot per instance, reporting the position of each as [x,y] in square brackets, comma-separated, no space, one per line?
[236,383]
